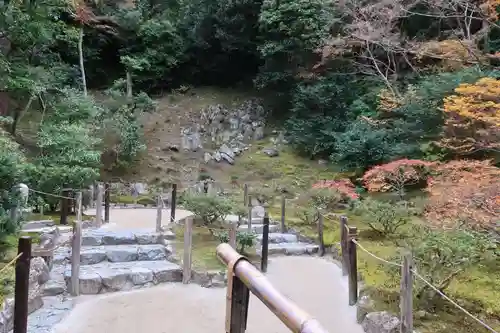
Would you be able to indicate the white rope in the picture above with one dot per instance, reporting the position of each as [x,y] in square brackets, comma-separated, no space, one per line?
[454,303]
[428,284]
[374,256]
[50,194]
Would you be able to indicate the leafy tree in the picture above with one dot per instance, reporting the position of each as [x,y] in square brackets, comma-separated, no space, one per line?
[385,218]
[441,256]
[464,192]
[290,31]
[209,208]
[397,176]
[473,118]
[244,239]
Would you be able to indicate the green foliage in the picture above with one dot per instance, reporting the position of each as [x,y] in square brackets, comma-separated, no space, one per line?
[321,110]
[385,218]
[243,239]
[326,198]
[265,195]
[308,215]
[442,255]
[209,208]
[290,32]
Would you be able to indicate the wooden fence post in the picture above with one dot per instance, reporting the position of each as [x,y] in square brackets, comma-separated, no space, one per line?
[406,295]
[64,206]
[283,209]
[320,235]
[159,211]
[98,206]
[353,265]
[188,248]
[249,222]
[107,197]
[174,203]
[92,196]
[232,235]
[22,285]
[239,298]
[343,243]
[245,195]
[79,198]
[76,245]
[265,244]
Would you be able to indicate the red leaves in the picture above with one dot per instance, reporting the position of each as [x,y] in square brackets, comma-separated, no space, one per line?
[394,176]
[344,186]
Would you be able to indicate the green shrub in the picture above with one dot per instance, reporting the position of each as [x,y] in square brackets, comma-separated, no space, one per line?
[385,218]
[244,239]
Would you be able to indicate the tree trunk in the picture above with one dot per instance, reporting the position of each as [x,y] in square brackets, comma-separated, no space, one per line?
[18,115]
[129,85]
[82,67]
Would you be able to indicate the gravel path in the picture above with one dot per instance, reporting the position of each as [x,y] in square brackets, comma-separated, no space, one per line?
[314,284]
[138,218]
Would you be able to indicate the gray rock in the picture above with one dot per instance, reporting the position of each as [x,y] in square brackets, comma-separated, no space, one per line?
[271,152]
[227,158]
[121,253]
[224,149]
[258,133]
[54,310]
[217,157]
[380,322]
[207,157]
[54,287]
[364,306]
[90,256]
[291,249]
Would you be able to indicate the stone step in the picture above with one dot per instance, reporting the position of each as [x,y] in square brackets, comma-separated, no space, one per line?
[116,276]
[103,236]
[290,249]
[91,255]
[258,228]
[277,237]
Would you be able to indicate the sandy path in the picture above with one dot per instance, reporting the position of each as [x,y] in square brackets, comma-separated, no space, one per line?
[314,284]
[140,218]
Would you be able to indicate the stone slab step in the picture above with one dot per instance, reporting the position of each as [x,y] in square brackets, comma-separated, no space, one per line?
[290,249]
[258,228]
[108,277]
[127,237]
[91,255]
[277,237]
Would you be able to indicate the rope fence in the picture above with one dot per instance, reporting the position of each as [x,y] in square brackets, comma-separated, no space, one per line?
[10,263]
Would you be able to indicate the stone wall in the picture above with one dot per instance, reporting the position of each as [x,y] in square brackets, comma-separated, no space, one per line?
[39,274]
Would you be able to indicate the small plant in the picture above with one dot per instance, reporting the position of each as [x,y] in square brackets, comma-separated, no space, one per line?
[307,215]
[265,195]
[244,239]
[384,217]
[209,208]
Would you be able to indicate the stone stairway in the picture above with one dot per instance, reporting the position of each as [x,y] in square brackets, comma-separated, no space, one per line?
[117,260]
[280,243]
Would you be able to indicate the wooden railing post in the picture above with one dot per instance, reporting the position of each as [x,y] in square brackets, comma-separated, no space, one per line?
[65,192]
[406,295]
[343,243]
[245,195]
[159,212]
[283,209]
[232,235]
[76,245]
[249,222]
[92,196]
[265,244]
[239,297]
[174,203]
[353,265]
[107,198]
[188,248]
[320,235]
[22,285]
[98,206]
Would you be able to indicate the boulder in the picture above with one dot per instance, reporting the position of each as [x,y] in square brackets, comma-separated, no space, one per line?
[227,158]
[380,322]
[365,305]
[271,152]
